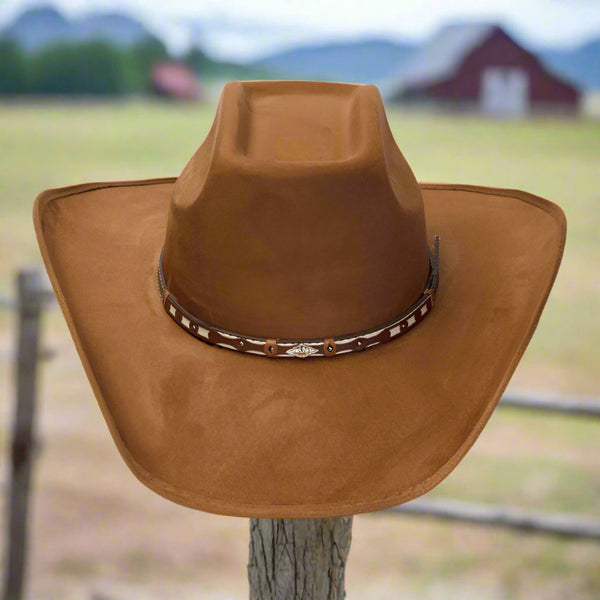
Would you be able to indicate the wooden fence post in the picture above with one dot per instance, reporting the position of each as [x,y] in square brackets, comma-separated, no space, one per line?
[298,559]
[30,299]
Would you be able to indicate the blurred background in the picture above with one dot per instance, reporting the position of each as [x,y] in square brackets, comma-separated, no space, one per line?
[499,93]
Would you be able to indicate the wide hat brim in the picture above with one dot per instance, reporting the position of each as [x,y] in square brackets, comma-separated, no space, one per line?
[244,435]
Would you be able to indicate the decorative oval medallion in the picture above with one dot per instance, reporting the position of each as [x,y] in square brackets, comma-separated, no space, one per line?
[301,350]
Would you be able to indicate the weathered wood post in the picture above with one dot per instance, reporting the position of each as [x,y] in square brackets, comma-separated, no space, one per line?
[30,298]
[298,559]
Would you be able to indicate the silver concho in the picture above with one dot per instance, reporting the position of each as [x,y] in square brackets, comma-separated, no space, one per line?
[301,350]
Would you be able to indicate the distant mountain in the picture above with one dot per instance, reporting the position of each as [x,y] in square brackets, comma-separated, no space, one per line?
[38,27]
[580,65]
[118,28]
[361,61]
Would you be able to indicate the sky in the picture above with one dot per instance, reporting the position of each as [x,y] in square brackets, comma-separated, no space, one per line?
[249,28]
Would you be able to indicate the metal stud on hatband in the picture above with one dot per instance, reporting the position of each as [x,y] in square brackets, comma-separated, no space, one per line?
[270,348]
[329,347]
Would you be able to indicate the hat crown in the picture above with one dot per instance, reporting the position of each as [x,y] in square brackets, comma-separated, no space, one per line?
[297,217]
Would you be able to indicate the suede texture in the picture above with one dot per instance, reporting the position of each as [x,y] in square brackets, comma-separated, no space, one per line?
[286,222]
[246,435]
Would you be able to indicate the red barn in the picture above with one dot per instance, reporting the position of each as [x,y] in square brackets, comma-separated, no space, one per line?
[175,80]
[481,67]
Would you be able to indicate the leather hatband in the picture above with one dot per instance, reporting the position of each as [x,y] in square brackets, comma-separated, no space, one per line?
[284,348]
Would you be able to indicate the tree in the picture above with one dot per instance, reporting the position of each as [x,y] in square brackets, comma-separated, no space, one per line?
[81,68]
[198,61]
[13,68]
[140,59]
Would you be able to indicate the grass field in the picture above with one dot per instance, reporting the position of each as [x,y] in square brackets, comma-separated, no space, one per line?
[108,535]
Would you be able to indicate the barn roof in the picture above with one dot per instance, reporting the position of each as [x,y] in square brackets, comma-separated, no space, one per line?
[442,55]
[175,79]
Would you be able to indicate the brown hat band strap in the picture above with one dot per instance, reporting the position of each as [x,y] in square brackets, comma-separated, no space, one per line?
[283,348]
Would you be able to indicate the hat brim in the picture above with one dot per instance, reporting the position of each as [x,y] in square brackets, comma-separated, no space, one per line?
[244,435]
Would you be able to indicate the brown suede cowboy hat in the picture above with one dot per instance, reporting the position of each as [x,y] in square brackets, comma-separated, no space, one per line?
[295,327]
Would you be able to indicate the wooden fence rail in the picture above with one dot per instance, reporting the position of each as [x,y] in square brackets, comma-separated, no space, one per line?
[565,525]
[569,405]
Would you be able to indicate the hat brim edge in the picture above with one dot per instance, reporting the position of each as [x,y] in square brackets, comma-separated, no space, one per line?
[219,506]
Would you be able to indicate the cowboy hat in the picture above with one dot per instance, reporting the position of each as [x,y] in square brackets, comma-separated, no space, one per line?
[295,327]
